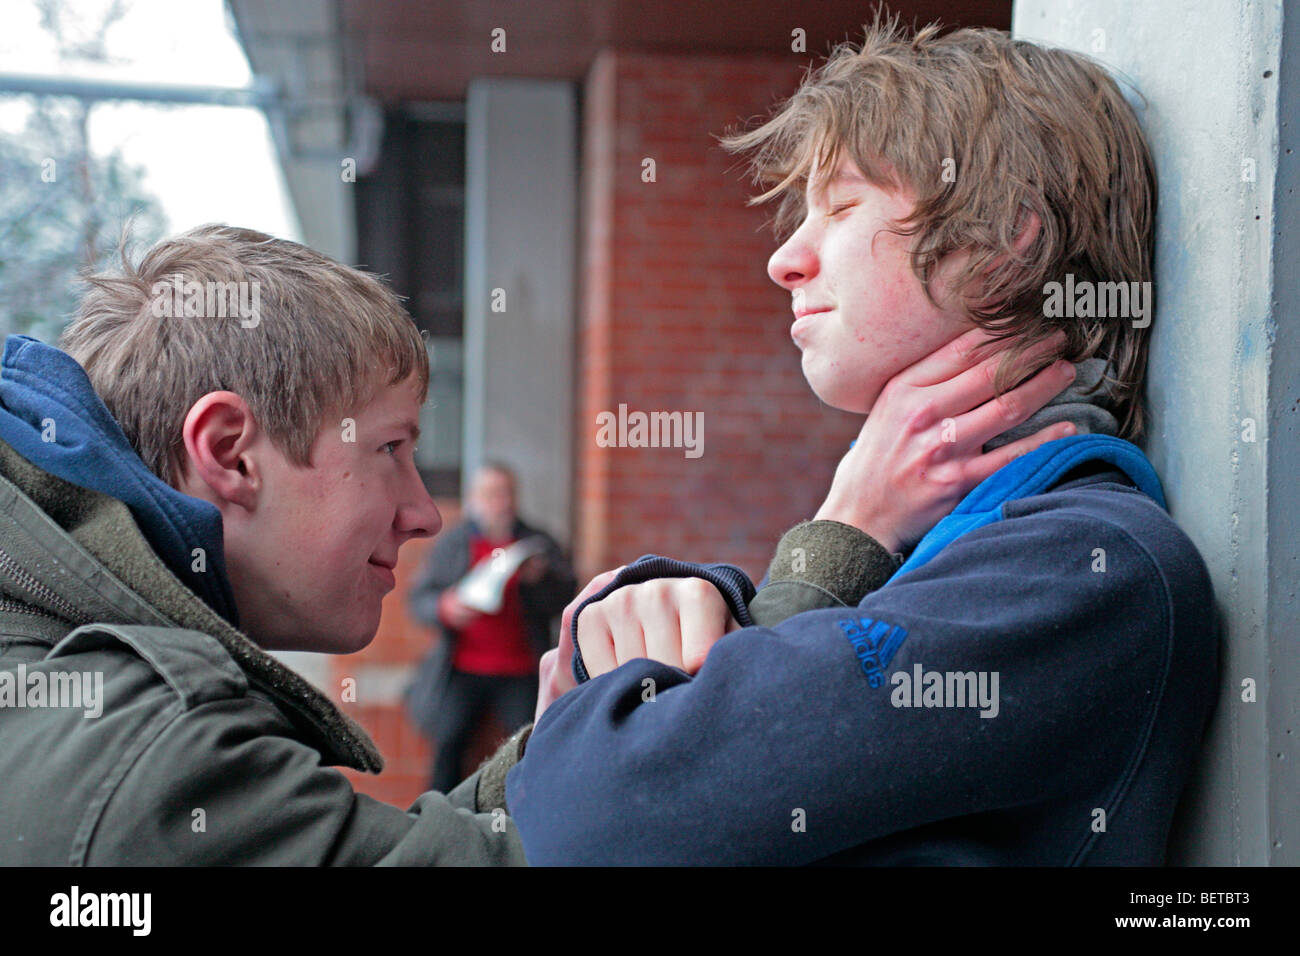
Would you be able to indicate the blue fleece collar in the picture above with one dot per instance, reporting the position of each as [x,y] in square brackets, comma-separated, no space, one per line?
[50,414]
[1032,474]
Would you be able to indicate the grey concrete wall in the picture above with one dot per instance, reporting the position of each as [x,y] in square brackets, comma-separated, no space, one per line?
[1219,84]
[288,42]
[520,232]
[1282,339]
[324,204]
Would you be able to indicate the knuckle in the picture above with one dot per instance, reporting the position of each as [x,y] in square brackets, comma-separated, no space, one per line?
[952,480]
[1010,407]
[921,417]
[661,591]
[699,588]
[934,449]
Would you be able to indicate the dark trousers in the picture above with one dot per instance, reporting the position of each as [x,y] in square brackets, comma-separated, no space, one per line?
[512,699]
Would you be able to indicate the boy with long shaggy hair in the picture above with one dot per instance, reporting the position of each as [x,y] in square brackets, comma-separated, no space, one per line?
[1031,685]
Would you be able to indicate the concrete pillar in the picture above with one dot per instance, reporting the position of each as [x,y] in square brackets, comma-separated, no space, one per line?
[521,184]
[324,204]
[1220,82]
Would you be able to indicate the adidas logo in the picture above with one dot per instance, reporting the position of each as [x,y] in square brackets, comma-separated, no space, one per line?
[874,643]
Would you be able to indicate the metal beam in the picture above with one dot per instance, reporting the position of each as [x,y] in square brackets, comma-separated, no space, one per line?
[262,94]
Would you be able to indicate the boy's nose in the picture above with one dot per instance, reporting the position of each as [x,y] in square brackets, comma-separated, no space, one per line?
[794,262]
[420,518]
[433,520]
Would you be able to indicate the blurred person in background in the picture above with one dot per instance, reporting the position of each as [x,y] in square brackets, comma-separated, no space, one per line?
[484,661]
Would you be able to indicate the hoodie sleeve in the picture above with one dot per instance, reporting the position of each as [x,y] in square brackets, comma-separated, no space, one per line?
[817,564]
[799,741]
[731,582]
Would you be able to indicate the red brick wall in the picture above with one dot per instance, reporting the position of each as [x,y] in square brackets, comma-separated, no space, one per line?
[679,315]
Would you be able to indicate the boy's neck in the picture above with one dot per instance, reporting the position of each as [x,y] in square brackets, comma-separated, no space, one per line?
[1085,411]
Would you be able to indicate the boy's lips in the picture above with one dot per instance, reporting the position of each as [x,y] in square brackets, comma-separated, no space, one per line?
[803,318]
[385,573]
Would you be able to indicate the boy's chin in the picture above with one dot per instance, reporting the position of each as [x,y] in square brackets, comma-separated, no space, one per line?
[842,395]
[347,647]
[349,644]
[336,641]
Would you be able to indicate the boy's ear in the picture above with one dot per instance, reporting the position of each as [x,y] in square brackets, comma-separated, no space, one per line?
[218,431]
[953,266]
[1028,232]
[1030,227]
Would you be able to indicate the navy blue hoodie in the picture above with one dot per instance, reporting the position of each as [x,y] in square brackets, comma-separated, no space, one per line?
[51,415]
[1030,688]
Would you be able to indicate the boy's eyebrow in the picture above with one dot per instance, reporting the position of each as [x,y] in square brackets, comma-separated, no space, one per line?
[411,427]
[847,174]
[843,175]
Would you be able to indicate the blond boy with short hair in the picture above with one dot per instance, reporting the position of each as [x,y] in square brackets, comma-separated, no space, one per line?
[221,463]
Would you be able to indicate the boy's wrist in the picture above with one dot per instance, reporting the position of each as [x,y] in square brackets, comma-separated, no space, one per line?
[842,562]
[863,520]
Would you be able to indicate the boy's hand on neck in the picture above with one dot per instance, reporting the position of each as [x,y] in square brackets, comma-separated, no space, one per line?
[920,451]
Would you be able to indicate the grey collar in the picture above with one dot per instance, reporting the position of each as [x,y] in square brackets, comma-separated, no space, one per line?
[1089,412]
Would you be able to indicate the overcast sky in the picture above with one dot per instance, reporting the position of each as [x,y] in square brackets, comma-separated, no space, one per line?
[205,164]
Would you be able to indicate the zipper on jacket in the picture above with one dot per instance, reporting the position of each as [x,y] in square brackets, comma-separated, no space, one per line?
[10,606]
[25,581]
